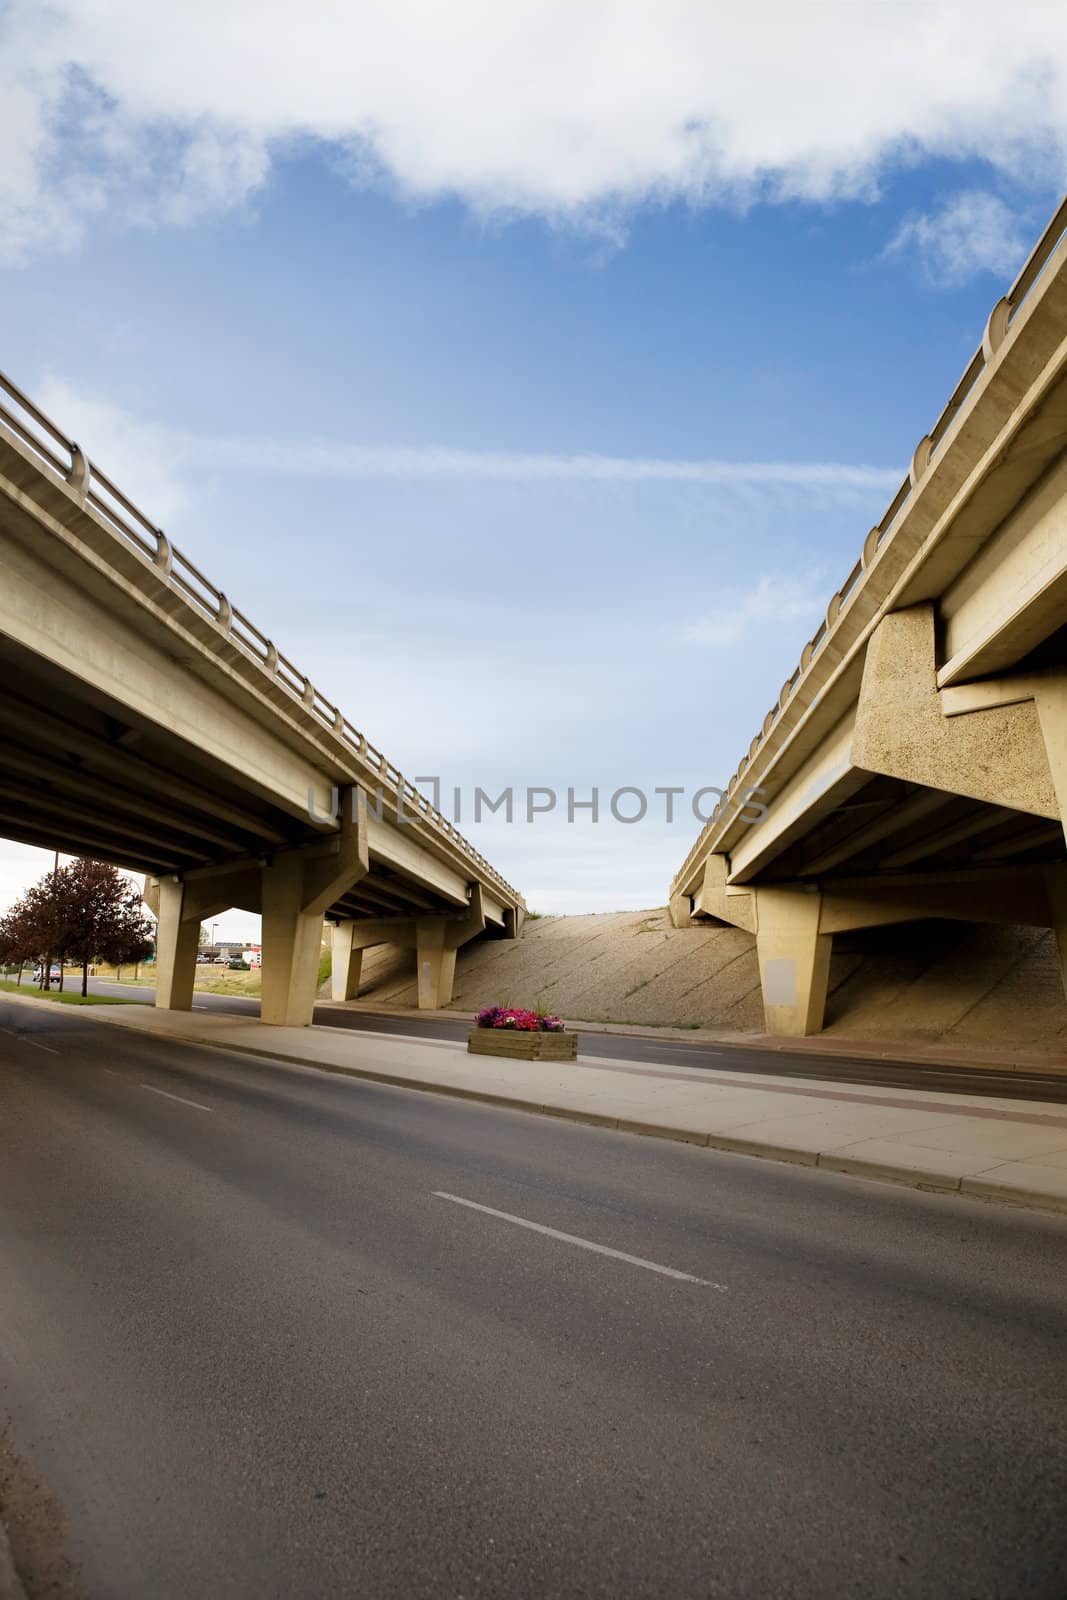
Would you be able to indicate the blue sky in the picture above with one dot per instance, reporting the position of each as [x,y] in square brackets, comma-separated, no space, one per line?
[537,434]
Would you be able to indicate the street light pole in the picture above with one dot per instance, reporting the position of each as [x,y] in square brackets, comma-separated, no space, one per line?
[47,974]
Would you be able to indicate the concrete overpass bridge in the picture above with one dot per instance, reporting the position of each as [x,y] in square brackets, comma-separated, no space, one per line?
[144,720]
[914,764]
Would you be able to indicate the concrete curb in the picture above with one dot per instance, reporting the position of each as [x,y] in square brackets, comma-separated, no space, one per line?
[820,1046]
[10,1583]
[974,1186]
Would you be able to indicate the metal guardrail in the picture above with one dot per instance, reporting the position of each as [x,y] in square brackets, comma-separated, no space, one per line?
[124,520]
[996,329]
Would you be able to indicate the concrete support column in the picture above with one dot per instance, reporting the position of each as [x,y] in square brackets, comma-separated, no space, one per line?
[292,943]
[1056,885]
[435,957]
[347,962]
[177,941]
[794,960]
[680,911]
[1051,701]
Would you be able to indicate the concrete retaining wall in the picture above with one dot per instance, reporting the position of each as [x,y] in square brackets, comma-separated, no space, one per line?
[932,980]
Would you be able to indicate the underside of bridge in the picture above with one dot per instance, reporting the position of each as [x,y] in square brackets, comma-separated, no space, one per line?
[949,804]
[82,774]
[915,764]
[145,721]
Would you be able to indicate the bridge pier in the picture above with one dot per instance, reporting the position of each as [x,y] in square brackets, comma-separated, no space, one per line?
[292,889]
[435,963]
[292,946]
[794,960]
[435,940]
[177,941]
[297,888]
[347,965]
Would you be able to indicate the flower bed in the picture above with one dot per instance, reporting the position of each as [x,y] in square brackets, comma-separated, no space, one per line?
[521,1021]
[521,1035]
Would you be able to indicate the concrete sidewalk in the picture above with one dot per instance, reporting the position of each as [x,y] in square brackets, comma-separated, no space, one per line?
[993,1149]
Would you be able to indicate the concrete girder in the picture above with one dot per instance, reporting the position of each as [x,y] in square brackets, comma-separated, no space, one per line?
[829,778]
[83,839]
[66,811]
[981,820]
[134,773]
[1013,593]
[891,818]
[987,894]
[84,786]
[56,620]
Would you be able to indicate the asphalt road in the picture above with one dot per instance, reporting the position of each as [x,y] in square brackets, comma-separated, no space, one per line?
[272,1332]
[670,1050]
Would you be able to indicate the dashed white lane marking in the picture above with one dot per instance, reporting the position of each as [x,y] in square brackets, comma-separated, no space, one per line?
[179,1097]
[583,1244]
[25,1039]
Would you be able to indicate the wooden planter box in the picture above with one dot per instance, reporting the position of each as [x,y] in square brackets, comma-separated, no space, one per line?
[521,1046]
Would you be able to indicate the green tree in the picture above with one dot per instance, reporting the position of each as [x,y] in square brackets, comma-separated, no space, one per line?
[85,912]
[101,916]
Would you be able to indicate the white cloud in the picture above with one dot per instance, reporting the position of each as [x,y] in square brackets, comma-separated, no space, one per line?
[152,463]
[573,111]
[973,232]
[339,459]
[147,461]
[772,599]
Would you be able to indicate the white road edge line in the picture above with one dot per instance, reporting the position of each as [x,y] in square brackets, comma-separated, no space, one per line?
[180,1098]
[583,1244]
[27,1040]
